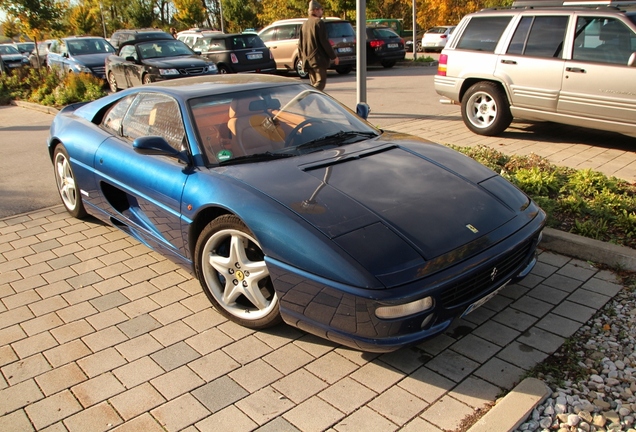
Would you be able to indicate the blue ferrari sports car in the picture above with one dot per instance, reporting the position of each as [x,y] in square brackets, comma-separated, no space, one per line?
[287,206]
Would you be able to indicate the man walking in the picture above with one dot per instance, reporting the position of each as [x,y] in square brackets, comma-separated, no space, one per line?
[315,50]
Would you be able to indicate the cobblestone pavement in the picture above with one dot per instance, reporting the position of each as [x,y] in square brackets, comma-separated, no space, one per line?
[98,333]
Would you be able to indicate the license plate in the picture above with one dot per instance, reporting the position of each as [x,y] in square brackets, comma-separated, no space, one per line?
[255,56]
[345,50]
[13,64]
[392,45]
[483,300]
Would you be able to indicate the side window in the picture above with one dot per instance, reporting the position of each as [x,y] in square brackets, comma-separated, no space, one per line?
[268,34]
[55,45]
[287,32]
[546,36]
[603,40]
[128,51]
[112,121]
[158,115]
[483,33]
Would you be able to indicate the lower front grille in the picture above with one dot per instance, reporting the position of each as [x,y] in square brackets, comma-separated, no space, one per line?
[192,71]
[487,278]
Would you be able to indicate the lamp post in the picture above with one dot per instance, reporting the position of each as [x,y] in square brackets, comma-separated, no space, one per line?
[101,11]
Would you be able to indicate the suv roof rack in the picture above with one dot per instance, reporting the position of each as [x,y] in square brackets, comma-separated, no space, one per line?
[576,3]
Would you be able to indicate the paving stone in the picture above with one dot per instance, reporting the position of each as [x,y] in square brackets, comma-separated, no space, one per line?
[179,413]
[171,313]
[288,358]
[559,325]
[136,401]
[17,421]
[347,395]
[139,371]
[97,389]
[279,424]
[299,385]
[574,311]
[447,413]
[144,422]
[331,367]
[66,353]
[174,356]
[452,365]
[213,365]
[500,373]
[522,355]
[496,333]
[60,378]
[34,344]
[172,333]
[100,362]
[365,419]
[589,298]
[563,283]
[18,396]
[230,418]
[314,414]
[25,369]
[52,409]
[41,324]
[541,340]
[73,330]
[475,392]
[177,382]
[208,341]
[98,418]
[426,384]
[255,375]
[247,349]
[220,393]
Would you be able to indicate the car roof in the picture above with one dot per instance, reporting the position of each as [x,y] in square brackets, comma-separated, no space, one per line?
[143,41]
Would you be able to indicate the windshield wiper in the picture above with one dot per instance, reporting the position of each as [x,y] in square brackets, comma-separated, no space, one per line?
[344,137]
[256,157]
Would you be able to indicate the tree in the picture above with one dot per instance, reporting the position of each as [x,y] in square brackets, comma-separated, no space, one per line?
[36,17]
[83,20]
[190,12]
[10,28]
[273,10]
[141,13]
[241,14]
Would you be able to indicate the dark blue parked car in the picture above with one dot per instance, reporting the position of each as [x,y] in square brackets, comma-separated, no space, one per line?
[79,54]
[288,206]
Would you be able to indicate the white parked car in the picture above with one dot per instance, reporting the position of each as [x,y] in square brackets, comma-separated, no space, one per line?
[435,38]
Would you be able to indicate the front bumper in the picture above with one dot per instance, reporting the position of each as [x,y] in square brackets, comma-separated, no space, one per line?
[346,314]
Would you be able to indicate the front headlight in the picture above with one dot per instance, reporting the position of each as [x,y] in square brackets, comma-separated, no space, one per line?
[81,68]
[168,72]
[212,67]
[400,311]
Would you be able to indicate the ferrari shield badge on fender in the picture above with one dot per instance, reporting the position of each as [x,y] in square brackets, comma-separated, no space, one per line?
[472,228]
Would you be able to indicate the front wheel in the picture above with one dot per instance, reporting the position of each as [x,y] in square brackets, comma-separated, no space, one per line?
[223,69]
[485,109]
[387,64]
[112,82]
[66,185]
[344,70]
[231,267]
[300,70]
[146,79]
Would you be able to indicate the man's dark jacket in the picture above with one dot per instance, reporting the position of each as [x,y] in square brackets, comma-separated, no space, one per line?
[313,44]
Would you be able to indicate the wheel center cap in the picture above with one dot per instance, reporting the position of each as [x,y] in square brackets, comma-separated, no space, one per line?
[239,275]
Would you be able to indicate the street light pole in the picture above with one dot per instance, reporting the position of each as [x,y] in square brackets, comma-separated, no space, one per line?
[101,11]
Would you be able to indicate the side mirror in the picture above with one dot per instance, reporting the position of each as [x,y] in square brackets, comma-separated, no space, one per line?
[632,60]
[130,59]
[363,110]
[156,145]
[197,52]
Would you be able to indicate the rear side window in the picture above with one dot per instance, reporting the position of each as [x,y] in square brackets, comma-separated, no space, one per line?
[539,36]
[339,29]
[483,33]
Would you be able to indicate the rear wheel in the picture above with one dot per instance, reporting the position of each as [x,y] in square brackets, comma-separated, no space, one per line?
[388,63]
[344,70]
[66,186]
[485,109]
[300,70]
[223,69]
[146,79]
[231,267]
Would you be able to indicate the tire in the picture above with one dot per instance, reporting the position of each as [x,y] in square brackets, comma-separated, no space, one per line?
[485,109]
[387,64]
[230,266]
[112,82]
[66,184]
[344,70]
[223,69]
[300,70]
[418,46]
[146,79]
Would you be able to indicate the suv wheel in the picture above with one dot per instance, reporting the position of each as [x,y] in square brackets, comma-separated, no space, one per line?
[299,69]
[485,109]
[223,69]
[344,70]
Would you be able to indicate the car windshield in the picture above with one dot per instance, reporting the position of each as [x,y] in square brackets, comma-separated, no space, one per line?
[247,41]
[339,29]
[26,46]
[163,48]
[274,122]
[89,46]
[8,49]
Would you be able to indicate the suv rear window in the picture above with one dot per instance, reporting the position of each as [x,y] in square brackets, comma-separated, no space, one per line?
[483,33]
[339,29]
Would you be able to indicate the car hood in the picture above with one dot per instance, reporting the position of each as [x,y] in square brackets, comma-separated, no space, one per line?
[435,199]
[12,57]
[176,62]
[91,60]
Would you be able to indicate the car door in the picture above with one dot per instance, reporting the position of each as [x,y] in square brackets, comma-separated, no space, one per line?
[597,81]
[133,69]
[144,191]
[116,65]
[532,64]
[284,45]
[54,56]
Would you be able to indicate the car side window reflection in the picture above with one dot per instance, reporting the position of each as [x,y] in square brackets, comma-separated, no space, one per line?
[155,115]
[603,40]
[113,119]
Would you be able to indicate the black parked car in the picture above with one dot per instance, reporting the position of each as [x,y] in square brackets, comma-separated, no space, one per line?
[384,46]
[10,58]
[125,35]
[154,60]
[235,52]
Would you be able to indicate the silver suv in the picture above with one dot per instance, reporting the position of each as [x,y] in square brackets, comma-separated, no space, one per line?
[281,37]
[571,65]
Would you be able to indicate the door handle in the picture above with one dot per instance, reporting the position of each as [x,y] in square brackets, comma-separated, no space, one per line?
[509,62]
[575,69]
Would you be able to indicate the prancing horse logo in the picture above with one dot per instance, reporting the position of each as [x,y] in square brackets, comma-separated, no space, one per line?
[493,274]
